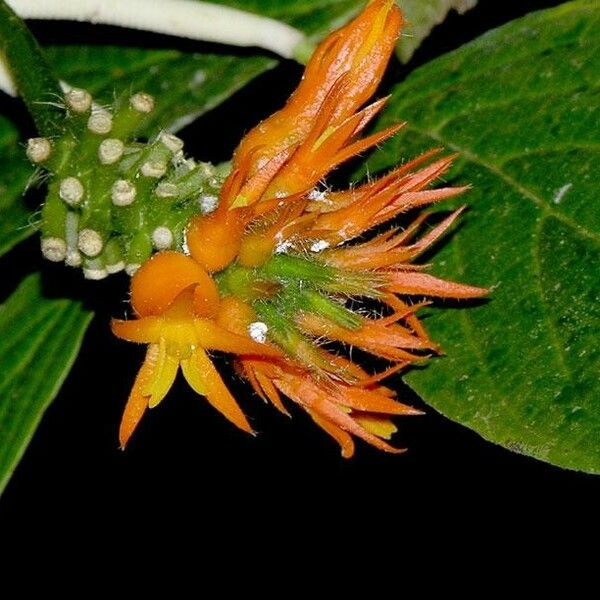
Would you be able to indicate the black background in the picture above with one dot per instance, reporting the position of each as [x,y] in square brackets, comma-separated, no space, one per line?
[186,467]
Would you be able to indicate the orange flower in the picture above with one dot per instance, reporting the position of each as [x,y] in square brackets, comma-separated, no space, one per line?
[272,269]
[174,325]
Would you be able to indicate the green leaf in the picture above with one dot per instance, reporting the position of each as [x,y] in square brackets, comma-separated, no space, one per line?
[14,217]
[40,340]
[34,78]
[421,17]
[520,105]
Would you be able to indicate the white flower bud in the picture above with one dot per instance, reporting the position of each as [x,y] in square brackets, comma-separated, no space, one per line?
[38,149]
[172,142]
[95,274]
[54,249]
[162,238]
[123,193]
[90,242]
[142,102]
[100,122]
[154,169]
[110,151]
[71,190]
[78,100]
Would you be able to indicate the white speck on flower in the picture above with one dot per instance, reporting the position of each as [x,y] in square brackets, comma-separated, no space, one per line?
[184,245]
[319,246]
[280,195]
[317,195]
[560,194]
[208,203]
[110,151]
[258,331]
[162,238]
[123,193]
[71,190]
[38,149]
[283,247]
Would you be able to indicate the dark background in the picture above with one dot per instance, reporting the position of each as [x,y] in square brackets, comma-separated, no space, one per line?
[186,467]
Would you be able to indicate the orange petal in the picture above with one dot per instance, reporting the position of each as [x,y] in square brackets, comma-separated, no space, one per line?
[343,438]
[214,240]
[202,376]
[235,315]
[407,282]
[137,402]
[159,281]
[316,399]
[140,331]
[367,400]
[263,385]
[213,337]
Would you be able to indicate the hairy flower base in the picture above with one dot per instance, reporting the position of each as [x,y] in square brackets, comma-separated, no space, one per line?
[278,274]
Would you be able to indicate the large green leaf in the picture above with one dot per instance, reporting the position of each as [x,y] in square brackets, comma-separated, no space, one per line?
[422,16]
[40,340]
[14,172]
[521,106]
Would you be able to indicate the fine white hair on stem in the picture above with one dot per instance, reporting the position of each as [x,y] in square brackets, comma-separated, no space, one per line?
[181,18]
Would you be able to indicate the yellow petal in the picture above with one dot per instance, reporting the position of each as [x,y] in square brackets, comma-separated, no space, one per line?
[379,426]
[163,375]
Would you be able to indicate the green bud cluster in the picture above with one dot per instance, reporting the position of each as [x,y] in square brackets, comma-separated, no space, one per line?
[112,199]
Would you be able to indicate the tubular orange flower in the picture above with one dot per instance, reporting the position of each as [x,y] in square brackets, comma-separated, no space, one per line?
[172,324]
[275,272]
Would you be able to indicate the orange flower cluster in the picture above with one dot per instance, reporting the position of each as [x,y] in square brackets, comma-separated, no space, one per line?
[269,271]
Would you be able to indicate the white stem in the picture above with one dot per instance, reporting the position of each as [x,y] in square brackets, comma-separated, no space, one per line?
[181,18]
